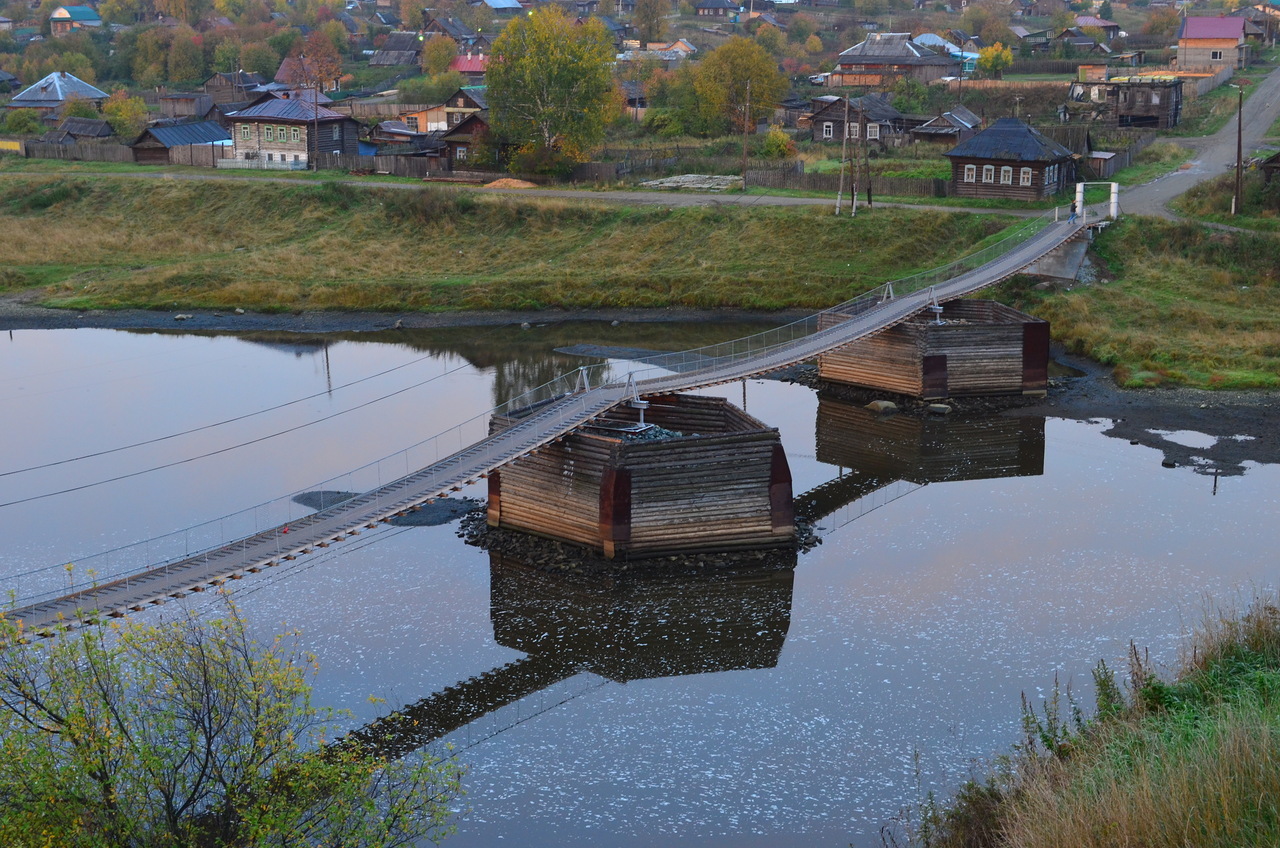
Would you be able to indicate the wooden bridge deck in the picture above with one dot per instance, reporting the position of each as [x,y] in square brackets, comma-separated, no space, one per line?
[547,424]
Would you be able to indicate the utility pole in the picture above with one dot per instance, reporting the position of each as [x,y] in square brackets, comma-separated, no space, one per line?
[866,153]
[844,146]
[746,123]
[1238,200]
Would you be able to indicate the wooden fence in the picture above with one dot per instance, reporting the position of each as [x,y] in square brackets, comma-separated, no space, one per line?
[81,151]
[789,178]
[417,167]
[377,110]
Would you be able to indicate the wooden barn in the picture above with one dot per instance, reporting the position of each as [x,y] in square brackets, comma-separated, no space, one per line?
[1010,159]
[980,348]
[718,481]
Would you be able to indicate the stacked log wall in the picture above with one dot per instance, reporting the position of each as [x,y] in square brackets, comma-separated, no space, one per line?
[556,491]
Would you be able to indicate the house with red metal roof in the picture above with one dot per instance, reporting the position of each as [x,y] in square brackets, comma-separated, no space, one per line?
[1212,43]
[471,66]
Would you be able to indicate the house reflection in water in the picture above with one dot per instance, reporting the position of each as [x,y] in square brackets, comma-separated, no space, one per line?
[622,628]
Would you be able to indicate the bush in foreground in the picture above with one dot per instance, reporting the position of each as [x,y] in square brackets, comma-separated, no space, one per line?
[187,733]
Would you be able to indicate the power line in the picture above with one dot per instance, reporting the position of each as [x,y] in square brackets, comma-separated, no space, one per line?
[207,426]
[227,449]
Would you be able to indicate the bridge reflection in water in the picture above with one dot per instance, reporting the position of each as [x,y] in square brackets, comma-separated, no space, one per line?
[641,624]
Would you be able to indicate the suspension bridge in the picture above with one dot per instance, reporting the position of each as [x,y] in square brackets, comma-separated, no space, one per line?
[542,417]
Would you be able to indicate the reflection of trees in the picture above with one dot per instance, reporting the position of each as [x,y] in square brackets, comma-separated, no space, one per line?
[628,627]
[521,359]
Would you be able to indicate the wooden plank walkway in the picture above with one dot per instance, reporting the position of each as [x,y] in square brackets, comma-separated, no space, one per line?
[549,423]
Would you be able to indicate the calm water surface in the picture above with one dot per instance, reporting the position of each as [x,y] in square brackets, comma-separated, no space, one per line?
[781,709]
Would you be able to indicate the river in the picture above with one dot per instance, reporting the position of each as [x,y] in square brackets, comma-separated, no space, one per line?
[795,708]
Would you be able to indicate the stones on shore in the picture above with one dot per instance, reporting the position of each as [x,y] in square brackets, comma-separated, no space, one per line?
[882,407]
[938,409]
[183,316]
[1169,463]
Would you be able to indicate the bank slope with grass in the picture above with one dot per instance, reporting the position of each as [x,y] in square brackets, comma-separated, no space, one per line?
[1178,303]
[120,243]
[1195,761]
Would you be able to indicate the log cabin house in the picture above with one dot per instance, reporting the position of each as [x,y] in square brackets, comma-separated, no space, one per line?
[1011,159]
[719,482]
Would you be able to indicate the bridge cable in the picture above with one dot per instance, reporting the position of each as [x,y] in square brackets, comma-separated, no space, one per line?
[208,426]
[230,447]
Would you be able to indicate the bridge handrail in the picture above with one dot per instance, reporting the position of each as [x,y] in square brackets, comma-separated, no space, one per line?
[178,545]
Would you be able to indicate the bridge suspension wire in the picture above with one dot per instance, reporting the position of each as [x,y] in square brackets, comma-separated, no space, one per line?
[229,448]
[211,426]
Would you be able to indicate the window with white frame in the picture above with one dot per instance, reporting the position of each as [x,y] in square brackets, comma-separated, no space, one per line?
[281,133]
[970,173]
[1024,177]
[1215,55]
[245,132]
[461,153]
[873,131]
[1006,175]
[854,131]
[828,129]
[988,173]
[412,123]
[337,132]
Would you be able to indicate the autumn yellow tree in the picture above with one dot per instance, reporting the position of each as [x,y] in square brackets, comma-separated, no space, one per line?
[994,59]
[650,19]
[549,82]
[738,84]
[127,115]
[437,53]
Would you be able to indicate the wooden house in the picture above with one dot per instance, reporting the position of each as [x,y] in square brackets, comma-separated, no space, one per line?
[50,94]
[951,127]
[463,103]
[1212,43]
[182,105]
[471,66]
[400,48]
[871,117]
[300,72]
[1110,29]
[232,87]
[431,119]
[886,57]
[461,139]
[720,481]
[1142,101]
[980,348]
[716,9]
[286,133]
[65,20]
[1010,159]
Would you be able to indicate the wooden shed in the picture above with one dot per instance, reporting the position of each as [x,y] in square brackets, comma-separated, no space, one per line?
[980,348]
[718,479]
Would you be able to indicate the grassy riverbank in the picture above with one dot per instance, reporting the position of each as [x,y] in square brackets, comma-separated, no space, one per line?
[1194,761]
[117,243]
[1179,303]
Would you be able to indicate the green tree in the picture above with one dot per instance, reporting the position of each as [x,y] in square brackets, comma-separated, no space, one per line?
[736,73]
[549,82]
[650,20]
[78,107]
[769,37]
[23,122]
[127,115]
[186,59]
[226,56]
[430,90]
[994,59]
[260,58]
[437,53]
[187,732]
[801,27]
[1104,10]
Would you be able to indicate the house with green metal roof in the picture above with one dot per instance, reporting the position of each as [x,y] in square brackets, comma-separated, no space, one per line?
[65,20]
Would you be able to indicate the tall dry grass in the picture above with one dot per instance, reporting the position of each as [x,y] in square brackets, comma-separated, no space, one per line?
[1188,763]
[132,243]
